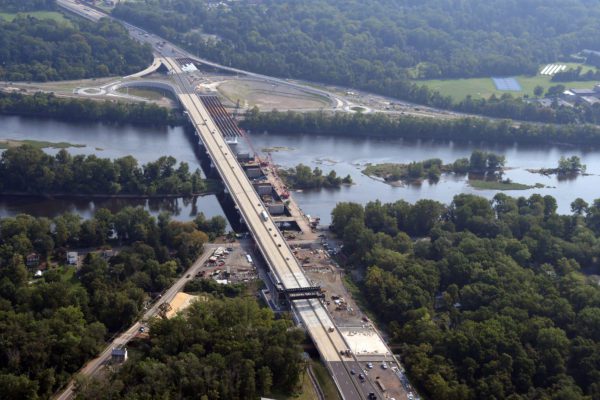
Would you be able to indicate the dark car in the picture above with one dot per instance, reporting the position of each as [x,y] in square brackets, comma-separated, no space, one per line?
[361,377]
[353,372]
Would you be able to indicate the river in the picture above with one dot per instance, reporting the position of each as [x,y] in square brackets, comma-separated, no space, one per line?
[349,156]
[345,155]
[144,143]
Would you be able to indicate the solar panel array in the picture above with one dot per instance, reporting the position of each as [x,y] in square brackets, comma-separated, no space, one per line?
[507,84]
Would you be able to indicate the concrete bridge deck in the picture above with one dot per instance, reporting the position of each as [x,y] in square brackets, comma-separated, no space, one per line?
[274,248]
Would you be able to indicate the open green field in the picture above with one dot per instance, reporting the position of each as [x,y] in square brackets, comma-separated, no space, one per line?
[496,185]
[479,88]
[147,93]
[39,144]
[36,14]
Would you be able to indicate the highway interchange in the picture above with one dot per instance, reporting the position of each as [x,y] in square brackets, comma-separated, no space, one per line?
[327,337]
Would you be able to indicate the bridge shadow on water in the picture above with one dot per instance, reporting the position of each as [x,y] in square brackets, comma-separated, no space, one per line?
[225,200]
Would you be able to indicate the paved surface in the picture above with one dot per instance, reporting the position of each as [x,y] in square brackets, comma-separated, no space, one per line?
[93,366]
[319,325]
[273,247]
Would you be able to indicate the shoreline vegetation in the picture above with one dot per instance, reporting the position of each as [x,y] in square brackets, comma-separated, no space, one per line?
[48,105]
[40,144]
[302,177]
[502,185]
[382,126]
[30,170]
[483,170]
[213,187]
[480,162]
[567,167]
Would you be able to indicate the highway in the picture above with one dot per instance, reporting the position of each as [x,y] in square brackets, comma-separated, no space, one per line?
[93,366]
[272,245]
[270,242]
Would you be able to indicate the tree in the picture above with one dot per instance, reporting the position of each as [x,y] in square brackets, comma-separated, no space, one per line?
[538,91]
[579,206]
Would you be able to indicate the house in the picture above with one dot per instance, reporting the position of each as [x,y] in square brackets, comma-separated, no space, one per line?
[72,257]
[32,260]
[107,253]
[118,355]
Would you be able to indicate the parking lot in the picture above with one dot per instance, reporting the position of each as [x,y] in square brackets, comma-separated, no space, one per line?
[229,264]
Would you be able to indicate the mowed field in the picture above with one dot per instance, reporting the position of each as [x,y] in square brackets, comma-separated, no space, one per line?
[37,14]
[479,88]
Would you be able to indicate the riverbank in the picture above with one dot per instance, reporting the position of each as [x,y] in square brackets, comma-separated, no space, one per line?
[67,196]
[38,144]
[384,126]
[502,185]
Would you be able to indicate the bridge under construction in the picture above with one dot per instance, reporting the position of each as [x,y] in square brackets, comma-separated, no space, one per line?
[273,247]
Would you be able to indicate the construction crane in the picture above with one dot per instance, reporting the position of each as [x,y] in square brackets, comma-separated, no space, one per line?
[237,109]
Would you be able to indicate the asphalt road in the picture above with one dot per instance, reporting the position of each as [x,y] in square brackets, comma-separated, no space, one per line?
[93,366]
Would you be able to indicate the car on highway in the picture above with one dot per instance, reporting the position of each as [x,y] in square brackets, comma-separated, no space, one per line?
[353,372]
[361,377]
[370,365]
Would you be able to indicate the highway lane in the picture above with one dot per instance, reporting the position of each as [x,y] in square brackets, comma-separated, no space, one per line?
[272,245]
[93,366]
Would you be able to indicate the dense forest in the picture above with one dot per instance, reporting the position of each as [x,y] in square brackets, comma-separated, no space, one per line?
[354,42]
[16,6]
[485,299]
[302,177]
[51,325]
[68,109]
[218,349]
[381,45]
[46,49]
[26,169]
[408,127]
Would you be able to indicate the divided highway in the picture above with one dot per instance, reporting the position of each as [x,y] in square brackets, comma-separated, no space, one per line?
[272,245]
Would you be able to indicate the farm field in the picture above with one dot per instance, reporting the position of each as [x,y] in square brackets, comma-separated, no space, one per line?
[484,87]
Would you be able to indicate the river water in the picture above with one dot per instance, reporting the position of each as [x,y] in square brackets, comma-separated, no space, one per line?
[144,143]
[345,155]
[349,156]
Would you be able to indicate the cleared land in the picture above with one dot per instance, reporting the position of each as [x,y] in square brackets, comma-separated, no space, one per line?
[150,94]
[479,88]
[36,14]
[267,96]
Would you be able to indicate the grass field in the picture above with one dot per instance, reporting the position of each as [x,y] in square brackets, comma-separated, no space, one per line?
[495,185]
[39,144]
[479,88]
[37,14]
[150,94]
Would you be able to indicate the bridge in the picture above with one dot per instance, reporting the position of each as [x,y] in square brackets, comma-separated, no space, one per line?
[272,245]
